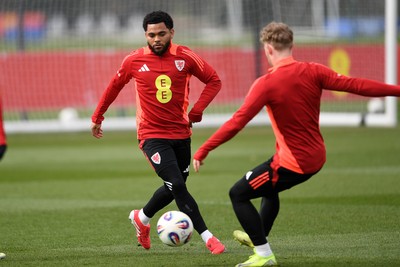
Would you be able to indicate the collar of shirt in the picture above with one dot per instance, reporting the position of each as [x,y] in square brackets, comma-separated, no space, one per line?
[283,62]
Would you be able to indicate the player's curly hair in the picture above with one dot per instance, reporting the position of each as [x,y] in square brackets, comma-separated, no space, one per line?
[278,34]
[158,17]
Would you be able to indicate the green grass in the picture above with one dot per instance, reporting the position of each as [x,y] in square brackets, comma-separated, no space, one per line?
[65,198]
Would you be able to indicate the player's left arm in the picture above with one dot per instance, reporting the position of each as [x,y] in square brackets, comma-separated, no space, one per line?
[207,75]
[360,86]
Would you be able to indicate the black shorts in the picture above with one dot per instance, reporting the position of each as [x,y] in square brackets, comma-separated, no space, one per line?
[163,153]
[267,178]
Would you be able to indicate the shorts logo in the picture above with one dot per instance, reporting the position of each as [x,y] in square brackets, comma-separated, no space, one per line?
[187,169]
[179,64]
[156,158]
[248,174]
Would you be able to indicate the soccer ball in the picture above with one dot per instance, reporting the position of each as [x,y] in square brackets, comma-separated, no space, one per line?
[174,228]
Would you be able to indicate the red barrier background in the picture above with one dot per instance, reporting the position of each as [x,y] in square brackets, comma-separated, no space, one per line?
[52,80]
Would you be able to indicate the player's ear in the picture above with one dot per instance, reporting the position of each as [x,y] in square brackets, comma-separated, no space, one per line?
[172,31]
[270,48]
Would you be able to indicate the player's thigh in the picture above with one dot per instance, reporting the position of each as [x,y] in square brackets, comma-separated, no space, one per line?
[255,183]
[159,153]
[286,179]
[264,180]
[182,149]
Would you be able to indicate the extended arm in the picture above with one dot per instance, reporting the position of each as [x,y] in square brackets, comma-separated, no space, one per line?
[252,105]
[330,80]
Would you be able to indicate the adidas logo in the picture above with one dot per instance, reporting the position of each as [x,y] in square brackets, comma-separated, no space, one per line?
[144,68]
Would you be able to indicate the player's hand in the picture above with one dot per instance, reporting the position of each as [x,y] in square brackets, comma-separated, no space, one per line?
[97,131]
[197,164]
[194,116]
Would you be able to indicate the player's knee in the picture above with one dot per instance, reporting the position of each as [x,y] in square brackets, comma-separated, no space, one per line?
[173,180]
[234,194]
[239,193]
[163,194]
[179,188]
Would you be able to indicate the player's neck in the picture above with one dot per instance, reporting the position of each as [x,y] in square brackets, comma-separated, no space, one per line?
[278,57]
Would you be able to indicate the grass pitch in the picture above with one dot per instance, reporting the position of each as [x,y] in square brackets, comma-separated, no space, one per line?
[65,200]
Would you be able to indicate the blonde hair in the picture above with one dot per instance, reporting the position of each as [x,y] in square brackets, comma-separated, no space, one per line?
[277,34]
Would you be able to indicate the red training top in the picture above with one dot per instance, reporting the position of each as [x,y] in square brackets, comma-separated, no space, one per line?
[291,92]
[162,91]
[3,140]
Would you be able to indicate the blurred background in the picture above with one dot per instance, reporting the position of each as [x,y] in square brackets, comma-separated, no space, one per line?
[58,56]
[65,196]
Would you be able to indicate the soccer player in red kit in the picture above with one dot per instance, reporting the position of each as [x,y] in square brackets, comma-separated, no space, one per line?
[3,141]
[162,71]
[291,92]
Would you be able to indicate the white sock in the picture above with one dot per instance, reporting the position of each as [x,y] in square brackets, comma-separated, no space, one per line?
[263,250]
[143,218]
[206,235]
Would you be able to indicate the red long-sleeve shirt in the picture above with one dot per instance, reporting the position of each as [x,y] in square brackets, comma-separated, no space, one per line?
[3,140]
[162,91]
[291,92]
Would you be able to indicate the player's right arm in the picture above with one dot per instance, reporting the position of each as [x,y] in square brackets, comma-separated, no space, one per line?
[253,103]
[122,77]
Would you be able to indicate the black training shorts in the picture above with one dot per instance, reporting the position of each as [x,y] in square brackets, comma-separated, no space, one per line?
[164,153]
